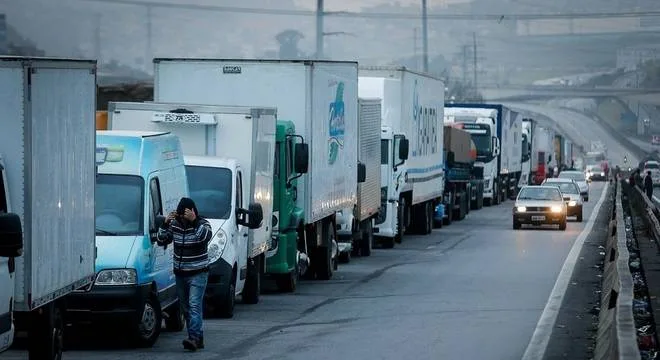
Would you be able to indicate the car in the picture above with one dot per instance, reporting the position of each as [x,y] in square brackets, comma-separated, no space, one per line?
[580,179]
[539,204]
[594,173]
[571,193]
[654,168]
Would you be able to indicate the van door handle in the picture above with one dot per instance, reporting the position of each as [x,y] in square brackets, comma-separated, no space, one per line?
[245,235]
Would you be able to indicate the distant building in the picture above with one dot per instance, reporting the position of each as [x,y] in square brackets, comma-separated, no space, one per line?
[4,43]
[629,58]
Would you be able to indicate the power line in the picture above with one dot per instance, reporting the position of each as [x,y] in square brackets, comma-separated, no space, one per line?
[386,15]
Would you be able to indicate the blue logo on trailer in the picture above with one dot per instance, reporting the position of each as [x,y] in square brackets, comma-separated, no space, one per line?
[336,125]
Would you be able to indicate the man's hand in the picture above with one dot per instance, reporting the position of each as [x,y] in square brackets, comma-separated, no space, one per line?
[189,215]
[170,217]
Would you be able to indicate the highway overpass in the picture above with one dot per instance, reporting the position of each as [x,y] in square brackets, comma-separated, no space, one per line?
[532,92]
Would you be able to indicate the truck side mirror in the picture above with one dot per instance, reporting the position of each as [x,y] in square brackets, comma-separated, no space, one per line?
[11,236]
[361,173]
[301,159]
[404,145]
[252,217]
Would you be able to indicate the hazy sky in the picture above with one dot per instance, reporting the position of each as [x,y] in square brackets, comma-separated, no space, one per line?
[356,5]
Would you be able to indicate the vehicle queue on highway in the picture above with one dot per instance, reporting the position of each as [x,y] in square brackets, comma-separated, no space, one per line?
[295,164]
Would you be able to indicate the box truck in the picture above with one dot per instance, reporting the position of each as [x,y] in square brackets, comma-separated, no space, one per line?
[47,175]
[412,106]
[320,97]
[355,226]
[229,155]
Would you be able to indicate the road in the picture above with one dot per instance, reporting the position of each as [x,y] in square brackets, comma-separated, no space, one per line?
[476,288]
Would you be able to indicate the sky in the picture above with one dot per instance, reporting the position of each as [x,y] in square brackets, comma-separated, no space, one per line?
[353,5]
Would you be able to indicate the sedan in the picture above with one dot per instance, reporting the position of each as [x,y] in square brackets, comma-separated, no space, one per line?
[538,205]
[571,193]
[580,179]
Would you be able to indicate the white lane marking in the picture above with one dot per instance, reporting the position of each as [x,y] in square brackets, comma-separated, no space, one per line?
[539,342]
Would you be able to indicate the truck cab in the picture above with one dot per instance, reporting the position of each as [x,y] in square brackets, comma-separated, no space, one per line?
[390,224]
[286,258]
[7,254]
[141,178]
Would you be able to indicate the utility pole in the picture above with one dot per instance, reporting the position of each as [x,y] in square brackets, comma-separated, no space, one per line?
[149,54]
[319,29]
[425,37]
[474,58]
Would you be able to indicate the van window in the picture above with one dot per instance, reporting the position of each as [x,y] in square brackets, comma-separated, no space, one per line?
[239,190]
[119,205]
[3,192]
[156,201]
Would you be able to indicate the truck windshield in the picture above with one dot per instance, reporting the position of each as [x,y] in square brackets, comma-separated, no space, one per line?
[119,205]
[483,143]
[211,190]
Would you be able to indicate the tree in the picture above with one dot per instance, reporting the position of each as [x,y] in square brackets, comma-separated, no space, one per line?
[289,40]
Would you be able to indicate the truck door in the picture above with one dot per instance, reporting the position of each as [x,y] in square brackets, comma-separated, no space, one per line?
[6,274]
[243,235]
[162,258]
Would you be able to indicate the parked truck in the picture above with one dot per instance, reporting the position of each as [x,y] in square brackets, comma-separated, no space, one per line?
[47,246]
[320,97]
[229,160]
[412,106]
[497,133]
[355,225]
[528,126]
[542,158]
[464,186]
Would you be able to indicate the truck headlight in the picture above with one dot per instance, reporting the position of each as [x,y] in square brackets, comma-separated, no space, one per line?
[116,277]
[217,246]
[556,209]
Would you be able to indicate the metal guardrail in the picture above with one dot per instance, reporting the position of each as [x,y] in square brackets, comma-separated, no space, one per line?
[652,213]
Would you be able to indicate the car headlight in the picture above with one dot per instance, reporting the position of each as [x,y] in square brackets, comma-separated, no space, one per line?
[521,209]
[217,246]
[556,209]
[116,277]
[572,203]
[602,173]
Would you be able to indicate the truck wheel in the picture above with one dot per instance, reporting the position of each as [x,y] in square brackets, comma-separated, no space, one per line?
[252,287]
[324,265]
[148,324]
[46,333]
[496,194]
[367,240]
[175,321]
[427,221]
[400,227]
[288,282]
[345,257]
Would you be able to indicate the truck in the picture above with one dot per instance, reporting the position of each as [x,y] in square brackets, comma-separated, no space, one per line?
[497,133]
[229,155]
[464,186]
[320,97]
[412,105]
[355,225]
[542,158]
[47,247]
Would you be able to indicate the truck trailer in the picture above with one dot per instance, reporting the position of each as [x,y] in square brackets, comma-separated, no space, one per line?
[47,187]
[412,105]
[320,97]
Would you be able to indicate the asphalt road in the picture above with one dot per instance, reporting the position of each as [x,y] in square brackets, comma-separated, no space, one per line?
[473,290]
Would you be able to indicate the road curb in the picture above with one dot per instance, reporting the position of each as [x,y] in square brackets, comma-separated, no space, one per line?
[616,337]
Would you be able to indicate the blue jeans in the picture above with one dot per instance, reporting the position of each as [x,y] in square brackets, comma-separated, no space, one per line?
[190,290]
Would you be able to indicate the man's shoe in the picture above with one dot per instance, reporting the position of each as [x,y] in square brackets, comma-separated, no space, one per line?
[200,343]
[190,344]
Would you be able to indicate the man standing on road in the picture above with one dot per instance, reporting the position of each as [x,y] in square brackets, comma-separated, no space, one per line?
[648,185]
[190,235]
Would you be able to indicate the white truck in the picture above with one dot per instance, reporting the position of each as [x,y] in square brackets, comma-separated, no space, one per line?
[355,225]
[229,157]
[526,155]
[47,165]
[543,161]
[412,105]
[497,133]
[320,97]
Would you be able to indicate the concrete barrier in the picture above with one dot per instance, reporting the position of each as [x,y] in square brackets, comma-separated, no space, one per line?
[617,337]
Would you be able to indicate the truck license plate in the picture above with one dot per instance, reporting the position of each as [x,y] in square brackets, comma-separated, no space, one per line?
[538,218]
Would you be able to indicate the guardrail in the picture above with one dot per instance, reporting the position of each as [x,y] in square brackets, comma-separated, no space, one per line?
[616,328]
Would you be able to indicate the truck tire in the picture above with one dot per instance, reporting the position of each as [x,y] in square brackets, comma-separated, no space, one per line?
[288,282]
[400,226]
[496,194]
[175,321]
[367,240]
[148,325]
[428,218]
[324,263]
[252,287]
[449,210]
[46,333]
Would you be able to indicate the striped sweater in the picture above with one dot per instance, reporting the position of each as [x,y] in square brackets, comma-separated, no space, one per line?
[190,245]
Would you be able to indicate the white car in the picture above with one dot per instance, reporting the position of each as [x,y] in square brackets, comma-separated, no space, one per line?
[654,168]
[580,180]
[571,193]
